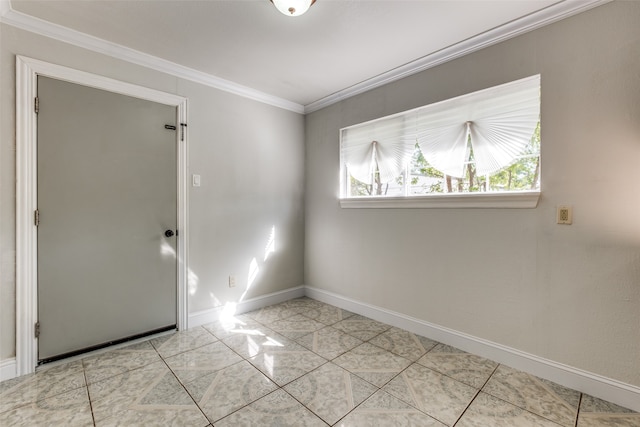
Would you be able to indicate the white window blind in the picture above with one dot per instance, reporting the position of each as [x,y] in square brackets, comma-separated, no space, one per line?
[384,143]
[496,123]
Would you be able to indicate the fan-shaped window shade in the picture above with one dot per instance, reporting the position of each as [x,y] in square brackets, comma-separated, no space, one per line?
[498,121]
[384,143]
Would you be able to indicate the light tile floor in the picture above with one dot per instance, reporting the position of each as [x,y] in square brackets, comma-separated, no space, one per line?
[299,363]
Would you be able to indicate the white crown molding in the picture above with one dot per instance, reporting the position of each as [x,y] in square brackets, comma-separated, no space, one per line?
[512,29]
[57,32]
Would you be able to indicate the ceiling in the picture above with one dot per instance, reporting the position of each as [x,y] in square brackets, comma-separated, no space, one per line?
[338,48]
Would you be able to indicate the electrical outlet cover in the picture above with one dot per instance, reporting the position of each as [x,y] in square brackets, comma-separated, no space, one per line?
[565,215]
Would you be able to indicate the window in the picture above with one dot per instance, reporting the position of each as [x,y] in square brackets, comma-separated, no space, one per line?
[484,144]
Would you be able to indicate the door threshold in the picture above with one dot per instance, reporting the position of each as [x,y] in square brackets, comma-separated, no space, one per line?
[104,348]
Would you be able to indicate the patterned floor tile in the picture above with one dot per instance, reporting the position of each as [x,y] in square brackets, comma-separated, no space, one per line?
[41,385]
[304,303]
[70,409]
[223,392]
[382,410]
[465,367]
[238,371]
[372,363]
[544,398]
[274,313]
[227,326]
[361,327]
[404,343]
[487,410]
[283,367]
[158,416]
[275,409]
[592,404]
[202,361]
[439,396]
[259,340]
[329,342]
[181,341]
[330,392]
[116,362]
[141,390]
[295,326]
[326,314]
[608,420]
[595,412]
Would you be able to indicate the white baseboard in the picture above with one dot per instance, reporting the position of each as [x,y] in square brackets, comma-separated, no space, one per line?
[8,369]
[611,390]
[203,317]
[207,316]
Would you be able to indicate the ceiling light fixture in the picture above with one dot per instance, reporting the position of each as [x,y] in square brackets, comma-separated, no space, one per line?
[292,7]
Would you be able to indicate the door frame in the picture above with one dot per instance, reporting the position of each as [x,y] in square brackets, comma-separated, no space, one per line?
[27,72]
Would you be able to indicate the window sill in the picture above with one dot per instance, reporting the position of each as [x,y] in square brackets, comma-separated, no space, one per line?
[505,200]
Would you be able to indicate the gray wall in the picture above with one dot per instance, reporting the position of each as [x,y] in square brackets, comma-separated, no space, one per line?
[251,160]
[567,293]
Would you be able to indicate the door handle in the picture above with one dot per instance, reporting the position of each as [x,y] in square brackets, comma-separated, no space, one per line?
[169,233]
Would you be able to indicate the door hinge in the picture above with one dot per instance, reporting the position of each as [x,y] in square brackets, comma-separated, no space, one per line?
[182,126]
[36,330]
[36,105]
[36,217]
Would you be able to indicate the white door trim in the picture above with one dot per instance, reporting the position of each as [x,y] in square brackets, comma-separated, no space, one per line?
[27,72]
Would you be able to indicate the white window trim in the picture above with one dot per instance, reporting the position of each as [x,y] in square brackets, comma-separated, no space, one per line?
[502,200]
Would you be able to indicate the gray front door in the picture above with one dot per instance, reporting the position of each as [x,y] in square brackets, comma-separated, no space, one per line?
[107,192]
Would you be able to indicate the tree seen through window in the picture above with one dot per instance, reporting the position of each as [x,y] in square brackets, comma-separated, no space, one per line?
[423,179]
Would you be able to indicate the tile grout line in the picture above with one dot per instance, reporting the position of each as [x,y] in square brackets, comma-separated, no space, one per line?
[279,387]
[522,407]
[242,407]
[578,410]
[476,395]
[331,361]
[86,382]
[357,406]
[313,370]
[297,400]
[416,405]
[162,358]
[402,400]
[380,388]
[180,382]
